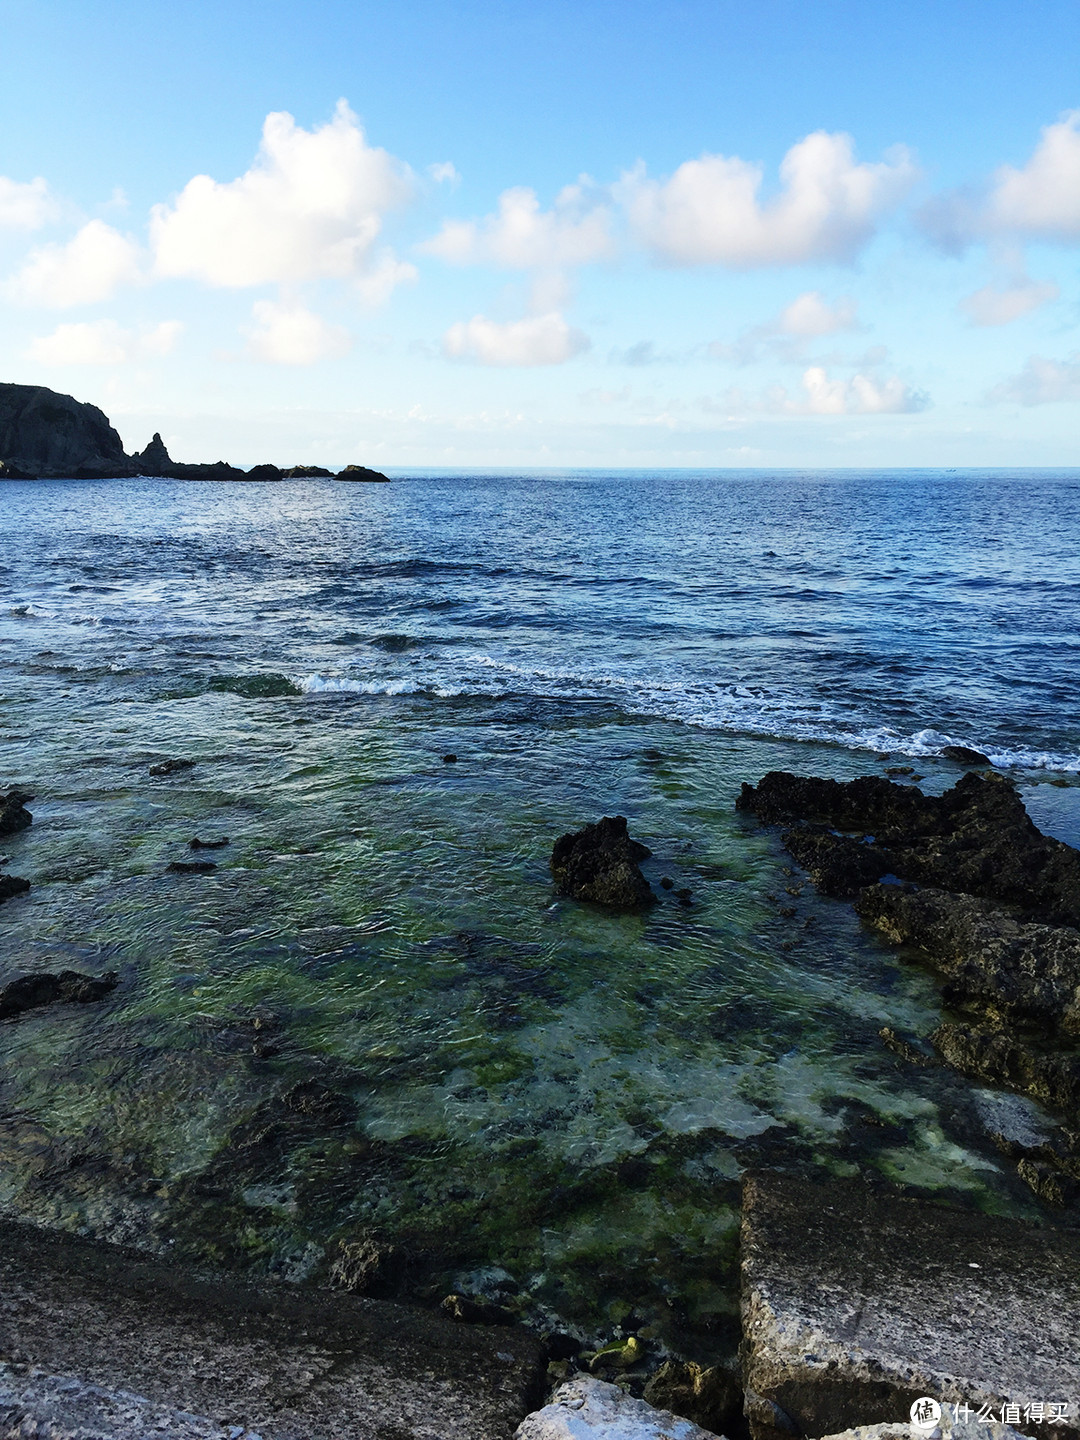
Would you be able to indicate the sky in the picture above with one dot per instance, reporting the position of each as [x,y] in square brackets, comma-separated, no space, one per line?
[493,233]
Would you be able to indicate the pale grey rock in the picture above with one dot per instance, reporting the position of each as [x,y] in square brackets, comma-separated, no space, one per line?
[590,1409]
[99,1343]
[857,1301]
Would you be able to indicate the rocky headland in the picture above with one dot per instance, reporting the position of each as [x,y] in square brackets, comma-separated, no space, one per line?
[48,436]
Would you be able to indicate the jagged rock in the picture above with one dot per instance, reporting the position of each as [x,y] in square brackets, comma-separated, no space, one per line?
[154,460]
[307,472]
[264,472]
[1028,972]
[858,1301]
[589,1409]
[953,1424]
[837,864]
[976,837]
[1007,1058]
[31,992]
[360,472]
[43,433]
[14,815]
[600,863]
[367,1266]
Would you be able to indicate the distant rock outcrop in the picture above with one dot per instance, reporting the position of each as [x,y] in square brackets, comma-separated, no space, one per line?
[54,436]
[45,435]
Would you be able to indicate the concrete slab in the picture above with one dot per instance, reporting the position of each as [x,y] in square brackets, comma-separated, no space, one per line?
[856,1301]
[103,1342]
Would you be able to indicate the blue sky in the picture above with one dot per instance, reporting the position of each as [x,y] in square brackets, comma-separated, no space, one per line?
[517,234]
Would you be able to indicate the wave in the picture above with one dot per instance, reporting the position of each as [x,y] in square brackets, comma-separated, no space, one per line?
[735,708]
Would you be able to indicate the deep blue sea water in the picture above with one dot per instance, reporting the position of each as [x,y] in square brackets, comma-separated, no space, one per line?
[565,1097]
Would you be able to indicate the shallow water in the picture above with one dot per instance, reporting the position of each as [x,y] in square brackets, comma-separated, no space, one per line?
[550,1100]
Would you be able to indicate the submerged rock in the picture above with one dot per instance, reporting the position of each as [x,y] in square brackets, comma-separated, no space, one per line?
[171,767]
[589,1409]
[858,1301]
[471,1311]
[196,844]
[600,863]
[31,992]
[192,867]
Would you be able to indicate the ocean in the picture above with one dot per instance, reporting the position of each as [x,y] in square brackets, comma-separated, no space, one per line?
[535,1100]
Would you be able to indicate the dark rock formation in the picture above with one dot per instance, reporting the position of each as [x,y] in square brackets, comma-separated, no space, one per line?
[360,472]
[976,838]
[856,1301]
[1022,972]
[192,867]
[196,844]
[30,992]
[965,756]
[171,767]
[600,863]
[14,815]
[998,914]
[46,434]
[710,1396]
[11,885]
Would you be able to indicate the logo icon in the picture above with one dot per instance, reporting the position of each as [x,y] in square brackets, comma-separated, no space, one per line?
[925,1413]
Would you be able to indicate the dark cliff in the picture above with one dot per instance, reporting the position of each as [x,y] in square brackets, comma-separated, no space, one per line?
[46,434]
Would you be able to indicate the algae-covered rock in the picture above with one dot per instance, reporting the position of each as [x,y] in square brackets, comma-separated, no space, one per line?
[600,863]
[710,1395]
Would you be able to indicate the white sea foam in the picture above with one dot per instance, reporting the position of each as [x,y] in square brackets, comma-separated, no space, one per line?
[738,708]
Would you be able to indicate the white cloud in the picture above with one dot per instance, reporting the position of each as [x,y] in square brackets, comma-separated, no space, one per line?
[809,316]
[539,340]
[998,305]
[384,275]
[1043,198]
[24,206]
[1038,201]
[861,395]
[444,172]
[103,342]
[89,268]
[1041,382]
[310,206]
[287,333]
[710,212]
[521,236]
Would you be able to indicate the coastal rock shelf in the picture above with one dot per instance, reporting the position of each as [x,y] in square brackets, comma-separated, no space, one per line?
[997,912]
[45,435]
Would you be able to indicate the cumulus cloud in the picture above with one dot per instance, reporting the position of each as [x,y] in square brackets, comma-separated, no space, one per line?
[444,172]
[861,395]
[1041,382]
[809,315]
[24,206]
[999,305]
[1038,201]
[522,236]
[103,342]
[287,333]
[710,211]
[90,267]
[311,206]
[538,340]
